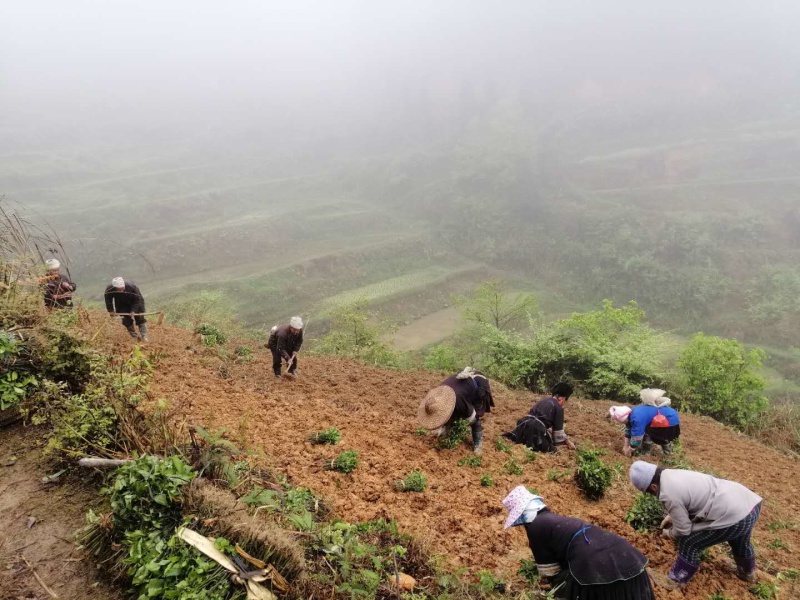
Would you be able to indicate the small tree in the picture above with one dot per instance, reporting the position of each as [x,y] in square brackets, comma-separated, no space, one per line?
[721,379]
[356,334]
[491,303]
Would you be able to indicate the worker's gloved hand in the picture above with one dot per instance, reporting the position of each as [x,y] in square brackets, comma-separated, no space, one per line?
[666,523]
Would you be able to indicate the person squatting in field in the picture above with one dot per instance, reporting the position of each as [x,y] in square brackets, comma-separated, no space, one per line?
[702,511]
[285,342]
[123,297]
[578,559]
[542,429]
[57,287]
[466,396]
[652,422]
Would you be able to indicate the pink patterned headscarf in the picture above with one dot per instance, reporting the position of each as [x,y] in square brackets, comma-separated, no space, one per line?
[619,414]
[517,502]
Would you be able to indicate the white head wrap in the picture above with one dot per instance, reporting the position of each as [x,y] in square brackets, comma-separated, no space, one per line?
[650,396]
[296,323]
[52,264]
[118,282]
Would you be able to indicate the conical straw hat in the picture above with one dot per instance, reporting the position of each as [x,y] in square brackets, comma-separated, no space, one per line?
[437,407]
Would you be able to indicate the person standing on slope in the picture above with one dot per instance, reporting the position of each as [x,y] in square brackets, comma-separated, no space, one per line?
[702,511]
[285,342]
[648,424]
[57,287]
[542,429]
[123,297]
[466,396]
[578,559]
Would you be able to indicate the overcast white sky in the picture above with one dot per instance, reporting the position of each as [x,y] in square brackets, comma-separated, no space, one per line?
[196,61]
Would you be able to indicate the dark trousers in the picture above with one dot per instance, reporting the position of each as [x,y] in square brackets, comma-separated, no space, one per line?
[128,321]
[276,363]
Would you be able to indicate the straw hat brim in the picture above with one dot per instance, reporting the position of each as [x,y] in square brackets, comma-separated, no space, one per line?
[437,407]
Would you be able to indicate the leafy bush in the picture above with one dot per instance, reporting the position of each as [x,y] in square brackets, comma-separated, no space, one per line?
[454,435]
[593,476]
[646,513]
[14,388]
[83,423]
[491,303]
[528,570]
[443,357]
[210,334]
[512,467]
[415,481]
[721,379]
[330,436]
[146,493]
[354,333]
[345,462]
[488,583]
[214,455]
[243,350]
[486,480]
[470,461]
[173,570]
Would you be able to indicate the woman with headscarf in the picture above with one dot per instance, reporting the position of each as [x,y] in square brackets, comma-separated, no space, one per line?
[702,511]
[466,396]
[542,429]
[652,422]
[580,561]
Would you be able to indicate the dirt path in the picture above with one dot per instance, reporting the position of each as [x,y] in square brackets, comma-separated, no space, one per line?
[375,410]
[58,511]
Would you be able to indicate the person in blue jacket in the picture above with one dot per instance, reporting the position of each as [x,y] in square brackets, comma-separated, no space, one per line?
[652,422]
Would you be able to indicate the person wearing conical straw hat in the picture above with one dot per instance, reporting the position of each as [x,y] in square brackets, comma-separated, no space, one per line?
[578,559]
[57,287]
[466,396]
[542,429]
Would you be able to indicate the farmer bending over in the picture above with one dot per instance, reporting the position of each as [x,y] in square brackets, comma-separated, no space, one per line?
[466,396]
[124,297]
[578,559]
[542,429]
[285,342]
[648,424]
[57,287]
[702,511]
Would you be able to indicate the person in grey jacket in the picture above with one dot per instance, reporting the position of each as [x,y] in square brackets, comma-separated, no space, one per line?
[702,511]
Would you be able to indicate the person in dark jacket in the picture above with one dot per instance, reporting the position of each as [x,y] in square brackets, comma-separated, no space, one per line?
[579,560]
[123,297]
[542,429]
[285,342]
[702,511]
[466,396]
[57,287]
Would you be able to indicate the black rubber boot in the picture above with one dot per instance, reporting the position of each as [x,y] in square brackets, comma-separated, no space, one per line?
[132,332]
[143,332]
[477,437]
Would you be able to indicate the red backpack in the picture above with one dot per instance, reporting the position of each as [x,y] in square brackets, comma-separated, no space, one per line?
[659,420]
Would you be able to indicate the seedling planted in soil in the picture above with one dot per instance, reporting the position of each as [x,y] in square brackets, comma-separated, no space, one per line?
[646,513]
[454,435]
[415,481]
[512,467]
[345,463]
[501,445]
[486,480]
[528,570]
[593,476]
[470,461]
[329,436]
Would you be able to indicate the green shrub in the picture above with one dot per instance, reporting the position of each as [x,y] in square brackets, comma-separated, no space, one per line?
[512,467]
[171,569]
[470,461]
[528,570]
[453,435]
[146,493]
[442,357]
[646,513]
[354,333]
[243,351]
[330,436]
[14,388]
[592,475]
[415,481]
[210,334]
[486,480]
[721,379]
[489,583]
[345,462]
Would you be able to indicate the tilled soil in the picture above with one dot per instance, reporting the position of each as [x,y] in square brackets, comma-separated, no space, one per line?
[375,409]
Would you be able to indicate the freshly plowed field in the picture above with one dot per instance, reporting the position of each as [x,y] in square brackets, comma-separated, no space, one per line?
[375,411]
